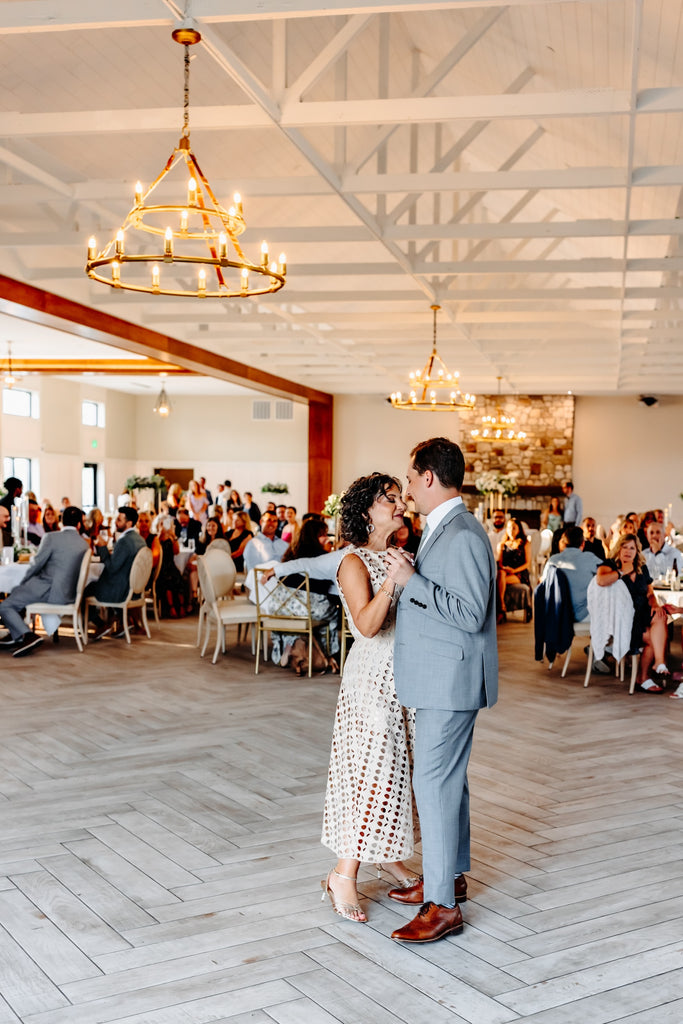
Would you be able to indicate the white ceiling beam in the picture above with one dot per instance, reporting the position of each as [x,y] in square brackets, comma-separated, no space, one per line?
[21,16]
[487,181]
[327,56]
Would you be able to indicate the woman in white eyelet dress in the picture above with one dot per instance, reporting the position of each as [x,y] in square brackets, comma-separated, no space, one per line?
[369,812]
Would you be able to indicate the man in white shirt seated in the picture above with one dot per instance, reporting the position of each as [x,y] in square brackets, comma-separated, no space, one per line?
[496,529]
[659,557]
[266,546]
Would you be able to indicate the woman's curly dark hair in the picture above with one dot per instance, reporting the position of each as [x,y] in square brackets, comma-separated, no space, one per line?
[356,504]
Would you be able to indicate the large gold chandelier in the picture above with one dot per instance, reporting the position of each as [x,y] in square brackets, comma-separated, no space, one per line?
[433,388]
[498,427]
[198,232]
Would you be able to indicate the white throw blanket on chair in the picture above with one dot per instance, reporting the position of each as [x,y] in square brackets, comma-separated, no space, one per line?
[611,616]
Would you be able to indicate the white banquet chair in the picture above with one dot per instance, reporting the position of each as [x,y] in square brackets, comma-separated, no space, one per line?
[137,582]
[73,609]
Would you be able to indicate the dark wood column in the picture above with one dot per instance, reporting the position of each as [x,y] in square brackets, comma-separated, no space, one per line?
[320,417]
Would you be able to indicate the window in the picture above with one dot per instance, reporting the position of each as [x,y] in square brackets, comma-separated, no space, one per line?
[25,470]
[92,414]
[89,485]
[17,402]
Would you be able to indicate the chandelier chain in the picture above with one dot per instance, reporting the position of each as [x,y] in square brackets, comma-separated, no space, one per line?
[186,95]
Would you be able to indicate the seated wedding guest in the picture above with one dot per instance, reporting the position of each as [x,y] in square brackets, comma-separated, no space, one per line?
[187,529]
[227,521]
[266,546]
[643,523]
[51,577]
[579,566]
[514,560]
[405,537]
[308,545]
[270,507]
[649,630]
[291,529]
[94,524]
[6,527]
[172,587]
[591,542]
[50,520]
[212,530]
[35,531]
[496,529]
[551,517]
[197,502]
[234,501]
[281,513]
[114,582]
[660,557]
[14,489]
[144,527]
[668,527]
[238,538]
[251,508]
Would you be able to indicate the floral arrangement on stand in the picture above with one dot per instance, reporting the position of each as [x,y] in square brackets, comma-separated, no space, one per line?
[494,484]
[331,509]
[275,489]
[156,483]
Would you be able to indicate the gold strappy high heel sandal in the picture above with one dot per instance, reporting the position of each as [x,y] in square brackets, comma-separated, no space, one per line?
[340,907]
[399,883]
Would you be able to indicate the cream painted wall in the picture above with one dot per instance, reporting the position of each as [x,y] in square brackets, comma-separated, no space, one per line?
[369,435]
[628,457]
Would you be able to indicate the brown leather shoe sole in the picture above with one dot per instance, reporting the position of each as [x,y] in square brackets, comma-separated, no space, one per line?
[431,924]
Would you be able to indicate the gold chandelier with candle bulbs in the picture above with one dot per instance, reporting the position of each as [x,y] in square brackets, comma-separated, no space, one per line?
[434,388]
[498,427]
[197,232]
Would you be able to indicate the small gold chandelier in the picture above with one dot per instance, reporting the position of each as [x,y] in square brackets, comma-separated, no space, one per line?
[498,427]
[434,387]
[198,232]
[162,405]
[10,380]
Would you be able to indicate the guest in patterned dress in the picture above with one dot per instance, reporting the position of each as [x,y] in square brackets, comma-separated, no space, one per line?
[369,809]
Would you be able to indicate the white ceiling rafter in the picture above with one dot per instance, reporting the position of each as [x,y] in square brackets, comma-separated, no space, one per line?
[518,162]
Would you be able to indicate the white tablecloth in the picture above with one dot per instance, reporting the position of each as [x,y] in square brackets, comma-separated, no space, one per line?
[666,596]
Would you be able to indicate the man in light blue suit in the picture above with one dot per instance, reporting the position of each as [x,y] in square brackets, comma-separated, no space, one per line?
[445,666]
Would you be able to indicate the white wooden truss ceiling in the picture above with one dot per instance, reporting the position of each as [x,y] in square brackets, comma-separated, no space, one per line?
[520,164]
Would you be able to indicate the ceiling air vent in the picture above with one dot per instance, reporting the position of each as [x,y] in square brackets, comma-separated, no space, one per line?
[284,410]
[260,409]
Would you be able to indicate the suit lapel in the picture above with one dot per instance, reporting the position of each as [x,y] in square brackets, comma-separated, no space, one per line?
[437,531]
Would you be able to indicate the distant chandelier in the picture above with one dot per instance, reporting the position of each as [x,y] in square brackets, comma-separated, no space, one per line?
[201,233]
[434,387]
[499,427]
[162,406]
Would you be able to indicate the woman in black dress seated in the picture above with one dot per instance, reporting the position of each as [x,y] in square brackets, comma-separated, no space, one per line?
[238,538]
[310,544]
[649,631]
[212,531]
[514,560]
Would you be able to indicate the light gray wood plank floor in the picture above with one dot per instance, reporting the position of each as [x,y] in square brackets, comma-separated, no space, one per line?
[160,860]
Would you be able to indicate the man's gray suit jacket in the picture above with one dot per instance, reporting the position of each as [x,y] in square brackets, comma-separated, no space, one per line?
[446,654]
[53,574]
[114,582]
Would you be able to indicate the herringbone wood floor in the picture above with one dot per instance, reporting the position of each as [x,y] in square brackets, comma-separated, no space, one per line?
[160,857]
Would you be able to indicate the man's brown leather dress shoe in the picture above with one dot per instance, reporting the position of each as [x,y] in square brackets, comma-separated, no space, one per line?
[432,922]
[414,894]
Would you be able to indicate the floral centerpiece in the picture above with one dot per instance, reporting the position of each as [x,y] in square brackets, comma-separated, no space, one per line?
[331,509]
[492,483]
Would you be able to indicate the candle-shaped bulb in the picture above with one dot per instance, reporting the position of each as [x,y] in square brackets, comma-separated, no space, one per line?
[116,272]
[119,242]
[283,263]
[192,192]
[245,279]
[138,193]
[237,199]
[183,220]
[273,267]
[264,254]
[222,245]
[92,247]
[155,275]
[201,284]
[168,245]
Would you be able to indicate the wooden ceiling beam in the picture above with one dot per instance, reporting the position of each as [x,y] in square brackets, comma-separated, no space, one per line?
[111,367]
